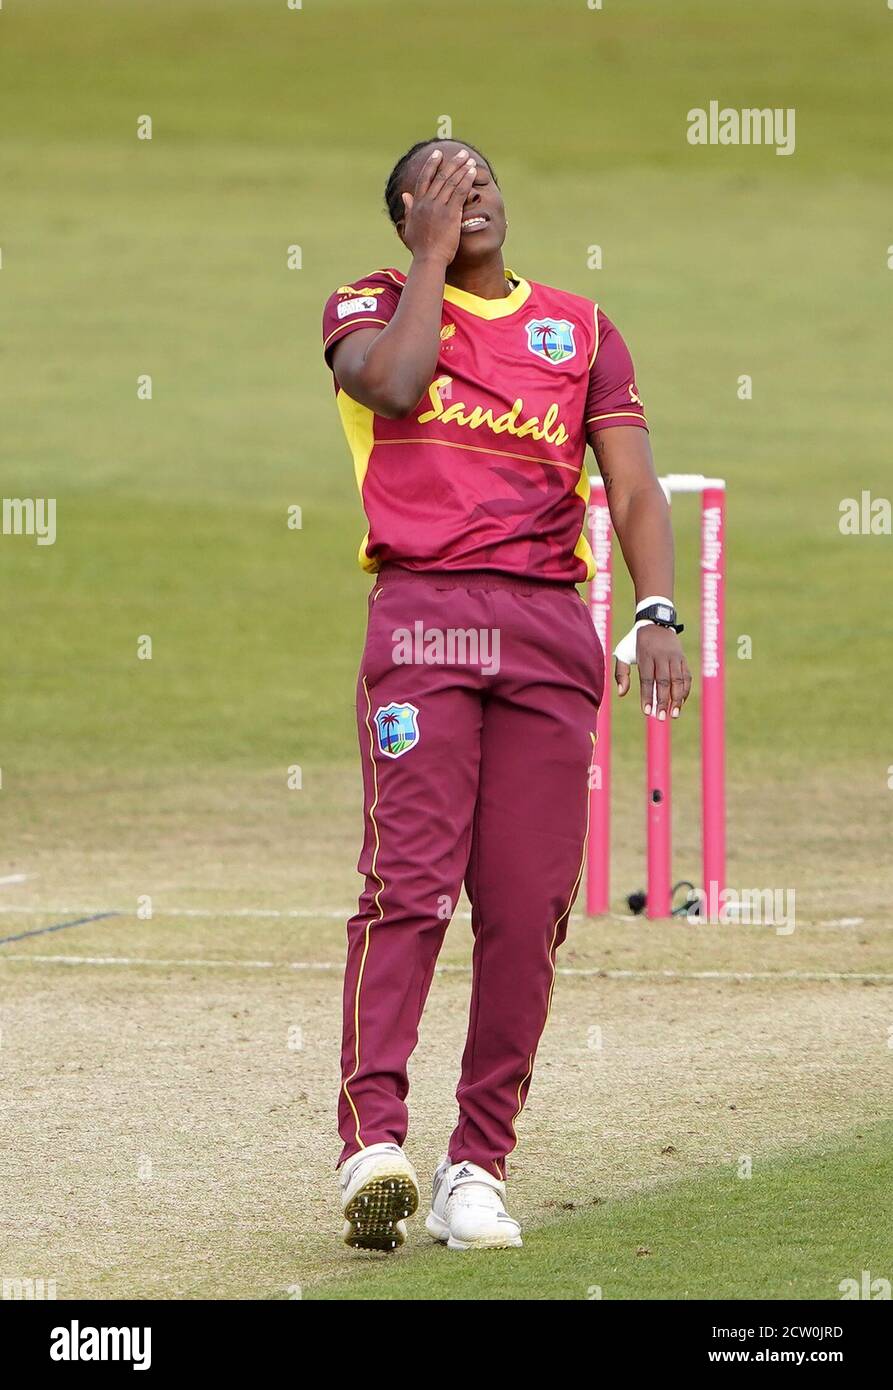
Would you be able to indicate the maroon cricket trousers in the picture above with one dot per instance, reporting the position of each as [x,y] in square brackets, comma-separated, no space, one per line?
[476,748]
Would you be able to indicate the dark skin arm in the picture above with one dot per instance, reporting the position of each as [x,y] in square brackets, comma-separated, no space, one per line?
[641,519]
[390,369]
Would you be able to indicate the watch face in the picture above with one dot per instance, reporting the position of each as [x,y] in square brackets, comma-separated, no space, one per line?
[665,614]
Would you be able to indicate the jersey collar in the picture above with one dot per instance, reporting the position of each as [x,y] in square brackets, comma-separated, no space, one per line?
[490,308]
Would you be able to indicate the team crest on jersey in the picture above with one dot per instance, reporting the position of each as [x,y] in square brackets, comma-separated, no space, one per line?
[552,339]
[397,729]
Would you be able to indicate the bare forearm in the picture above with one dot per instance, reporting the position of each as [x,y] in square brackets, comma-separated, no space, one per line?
[642,523]
[390,371]
[641,518]
[639,510]
[400,362]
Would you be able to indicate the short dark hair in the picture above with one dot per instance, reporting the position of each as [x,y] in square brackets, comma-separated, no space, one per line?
[393,200]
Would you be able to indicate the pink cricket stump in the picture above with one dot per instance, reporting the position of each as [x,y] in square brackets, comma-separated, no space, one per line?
[658,815]
[658,773]
[598,861]
[713,725]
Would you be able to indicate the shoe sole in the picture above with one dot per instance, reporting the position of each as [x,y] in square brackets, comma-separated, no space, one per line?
[441,1232]
[375,1214]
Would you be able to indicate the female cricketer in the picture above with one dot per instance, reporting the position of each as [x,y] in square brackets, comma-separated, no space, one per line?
[468,395]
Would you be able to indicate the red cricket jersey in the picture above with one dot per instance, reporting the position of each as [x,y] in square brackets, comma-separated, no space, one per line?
[488,471]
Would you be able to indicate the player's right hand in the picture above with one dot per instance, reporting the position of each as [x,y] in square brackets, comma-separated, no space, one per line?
[433,221]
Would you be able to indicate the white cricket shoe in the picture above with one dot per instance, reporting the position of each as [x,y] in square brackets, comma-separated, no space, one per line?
[468,1209]
[378,1189]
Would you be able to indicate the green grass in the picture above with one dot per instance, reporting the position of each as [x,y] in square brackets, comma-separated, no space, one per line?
[168,257]
[120,258]
[797,1227]
[123,257]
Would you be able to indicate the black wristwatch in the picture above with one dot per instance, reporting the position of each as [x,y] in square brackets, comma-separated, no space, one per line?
[662,614]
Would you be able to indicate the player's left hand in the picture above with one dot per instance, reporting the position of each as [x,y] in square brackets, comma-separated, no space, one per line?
[663,671]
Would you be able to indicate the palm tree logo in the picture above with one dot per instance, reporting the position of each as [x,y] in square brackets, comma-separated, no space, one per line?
[389,722]
[398,729]
[552,339]
[544,333]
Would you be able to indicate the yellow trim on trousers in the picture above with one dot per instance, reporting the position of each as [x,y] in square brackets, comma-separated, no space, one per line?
[369,924]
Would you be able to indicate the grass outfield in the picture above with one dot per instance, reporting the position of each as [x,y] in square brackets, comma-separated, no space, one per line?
[164,1038]
[796,1228]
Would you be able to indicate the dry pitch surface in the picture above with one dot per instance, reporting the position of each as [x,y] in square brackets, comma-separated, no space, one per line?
[173,1079]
